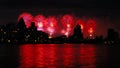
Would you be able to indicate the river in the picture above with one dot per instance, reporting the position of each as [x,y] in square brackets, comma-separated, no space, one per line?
[59,56]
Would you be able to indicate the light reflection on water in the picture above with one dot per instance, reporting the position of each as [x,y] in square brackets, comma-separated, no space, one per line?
[87,56]
[58,56]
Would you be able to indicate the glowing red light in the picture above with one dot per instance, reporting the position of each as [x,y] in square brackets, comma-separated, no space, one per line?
[62,31]
[90,30]
[67,23]
[67,20]
[68,56]
[51,25]
[90,35]
[81,26]
[81,23]
[55,25]
[26,56]
[67,33]
[87,54]
[40,25]
[52,21]
[51,30]
[39,58]
[27,17]
[91,24]
[39,22]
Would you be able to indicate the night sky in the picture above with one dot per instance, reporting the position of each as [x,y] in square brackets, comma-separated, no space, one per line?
[105,12]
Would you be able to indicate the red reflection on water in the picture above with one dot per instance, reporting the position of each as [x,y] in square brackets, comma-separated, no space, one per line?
[57,56]
[26,56]
[51,56]
[68,56]
[87,56]
[39,56]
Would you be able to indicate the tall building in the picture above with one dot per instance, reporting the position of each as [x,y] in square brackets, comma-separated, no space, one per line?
[21,28]
[78,35]
[112,34]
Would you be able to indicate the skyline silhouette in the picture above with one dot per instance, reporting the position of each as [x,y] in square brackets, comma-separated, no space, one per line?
[59,34]
[20,34]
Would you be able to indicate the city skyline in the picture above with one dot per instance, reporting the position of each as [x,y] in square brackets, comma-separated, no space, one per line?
[106,13]
[19,33]
[103,22]
[59,33]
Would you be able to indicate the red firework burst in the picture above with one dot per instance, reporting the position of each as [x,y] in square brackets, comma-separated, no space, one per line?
[67,21]
[40,22]
[27,17]
[51,25]
[91,24]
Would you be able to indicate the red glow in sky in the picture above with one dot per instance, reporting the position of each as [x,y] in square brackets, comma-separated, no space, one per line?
[67,22]
[39,22]
[27,17]
[81,23]
[87,54]
[91,24]
[90,30]
[53,25]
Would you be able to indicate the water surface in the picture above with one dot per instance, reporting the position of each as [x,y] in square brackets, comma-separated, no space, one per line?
[59,56]
[62,56]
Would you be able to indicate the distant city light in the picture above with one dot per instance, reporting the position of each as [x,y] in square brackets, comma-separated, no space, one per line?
[50,37]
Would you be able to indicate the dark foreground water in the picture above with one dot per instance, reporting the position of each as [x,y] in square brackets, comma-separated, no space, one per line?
[59,56]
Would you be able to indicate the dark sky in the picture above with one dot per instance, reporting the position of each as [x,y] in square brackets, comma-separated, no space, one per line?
[106,12]
[61,3]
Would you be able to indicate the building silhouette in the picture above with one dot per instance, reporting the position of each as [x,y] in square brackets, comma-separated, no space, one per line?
[34,36]
[77,35]
[18,33]
[21,29]
[112,35]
